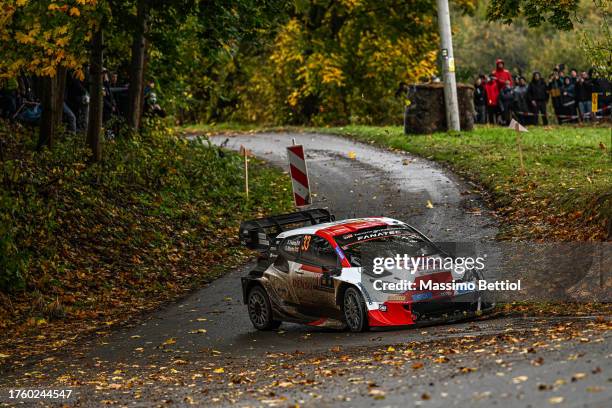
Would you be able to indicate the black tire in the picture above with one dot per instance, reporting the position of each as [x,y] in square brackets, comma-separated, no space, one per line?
[354,310]
[260,311]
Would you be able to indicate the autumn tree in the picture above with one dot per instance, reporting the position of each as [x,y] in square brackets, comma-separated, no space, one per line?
[563,15]
[43,38]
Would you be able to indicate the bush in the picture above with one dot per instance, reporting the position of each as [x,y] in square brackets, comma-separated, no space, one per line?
[158,215]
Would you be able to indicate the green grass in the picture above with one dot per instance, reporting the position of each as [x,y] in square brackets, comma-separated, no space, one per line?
[566,193]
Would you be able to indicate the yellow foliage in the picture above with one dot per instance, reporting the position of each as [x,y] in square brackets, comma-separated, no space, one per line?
[75,12]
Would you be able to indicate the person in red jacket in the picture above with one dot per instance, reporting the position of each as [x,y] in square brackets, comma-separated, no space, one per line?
[492,97]
[502,74]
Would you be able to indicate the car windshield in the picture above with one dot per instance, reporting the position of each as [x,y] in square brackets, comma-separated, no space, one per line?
[384,242]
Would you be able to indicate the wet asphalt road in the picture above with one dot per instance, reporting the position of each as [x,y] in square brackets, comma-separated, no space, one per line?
[376,182]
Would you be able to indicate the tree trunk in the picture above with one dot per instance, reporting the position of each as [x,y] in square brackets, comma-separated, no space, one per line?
[94,128]
[60,83]
[135,96]
[46,136]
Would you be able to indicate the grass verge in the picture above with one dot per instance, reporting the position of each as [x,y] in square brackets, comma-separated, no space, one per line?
[88,246]
[566,193]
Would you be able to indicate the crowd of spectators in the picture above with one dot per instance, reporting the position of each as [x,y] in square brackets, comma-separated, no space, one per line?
[500,96]
[20,100]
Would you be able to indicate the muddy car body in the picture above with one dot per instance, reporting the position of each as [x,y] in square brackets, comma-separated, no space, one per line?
[312,274]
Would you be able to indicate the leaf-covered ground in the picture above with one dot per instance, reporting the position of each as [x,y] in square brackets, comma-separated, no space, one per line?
[83,247]
[545,359]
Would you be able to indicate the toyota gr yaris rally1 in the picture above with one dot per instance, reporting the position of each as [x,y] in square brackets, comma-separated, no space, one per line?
[310,271]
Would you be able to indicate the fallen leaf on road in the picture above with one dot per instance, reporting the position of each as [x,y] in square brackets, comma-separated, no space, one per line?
[352,155]
[169,342]
[197,331]
[219,370]
[555,400]
[429,204]
[376,394]
[578,376]
[520,379]
[417,365]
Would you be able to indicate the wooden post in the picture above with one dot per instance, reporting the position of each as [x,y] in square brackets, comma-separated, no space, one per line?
[246,173]
[245,152]
[520,149]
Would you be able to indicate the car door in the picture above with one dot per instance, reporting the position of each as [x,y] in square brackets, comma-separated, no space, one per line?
[282,275]
[312,275]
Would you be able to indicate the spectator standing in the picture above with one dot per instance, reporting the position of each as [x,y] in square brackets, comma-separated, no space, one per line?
[574,76]
[537,96]
[506,99]
[77,99]
[521,105]
[8,97]
[492,99]
[480,100]
[568,102]
[583,90]
[109,104]
[501,74]
[554,88]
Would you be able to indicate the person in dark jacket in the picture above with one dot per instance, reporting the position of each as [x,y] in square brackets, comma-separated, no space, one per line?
[537,95]
[574,76]
[109,104]
[8,97]
[555,82]
[77,99]
[583,90]
[480,100]
[506,98]
[521,105]
[568,102]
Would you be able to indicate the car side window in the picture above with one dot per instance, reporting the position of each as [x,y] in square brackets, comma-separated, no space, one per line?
[318,251]
[291,247]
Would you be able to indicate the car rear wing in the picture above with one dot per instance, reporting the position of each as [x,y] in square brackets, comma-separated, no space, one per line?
[260,234]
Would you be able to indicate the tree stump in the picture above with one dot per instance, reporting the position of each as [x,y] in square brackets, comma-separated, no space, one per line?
[426,112]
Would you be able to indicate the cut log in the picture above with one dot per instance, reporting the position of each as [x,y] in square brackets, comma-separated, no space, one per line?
[426,114]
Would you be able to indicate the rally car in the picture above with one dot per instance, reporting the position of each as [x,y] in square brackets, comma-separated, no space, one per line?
[310,271]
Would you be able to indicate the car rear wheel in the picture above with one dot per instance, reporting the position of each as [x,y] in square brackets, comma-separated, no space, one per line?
[354,309]
[260,311]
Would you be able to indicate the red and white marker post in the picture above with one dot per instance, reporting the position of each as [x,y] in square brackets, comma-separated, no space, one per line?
[299,175]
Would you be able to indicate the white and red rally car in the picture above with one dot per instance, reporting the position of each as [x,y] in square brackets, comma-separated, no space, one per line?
[313,274]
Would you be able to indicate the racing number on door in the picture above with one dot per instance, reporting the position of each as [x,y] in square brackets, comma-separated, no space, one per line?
[306,243]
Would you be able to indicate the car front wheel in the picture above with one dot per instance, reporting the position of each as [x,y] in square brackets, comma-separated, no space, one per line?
[260,311]
[354,308]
